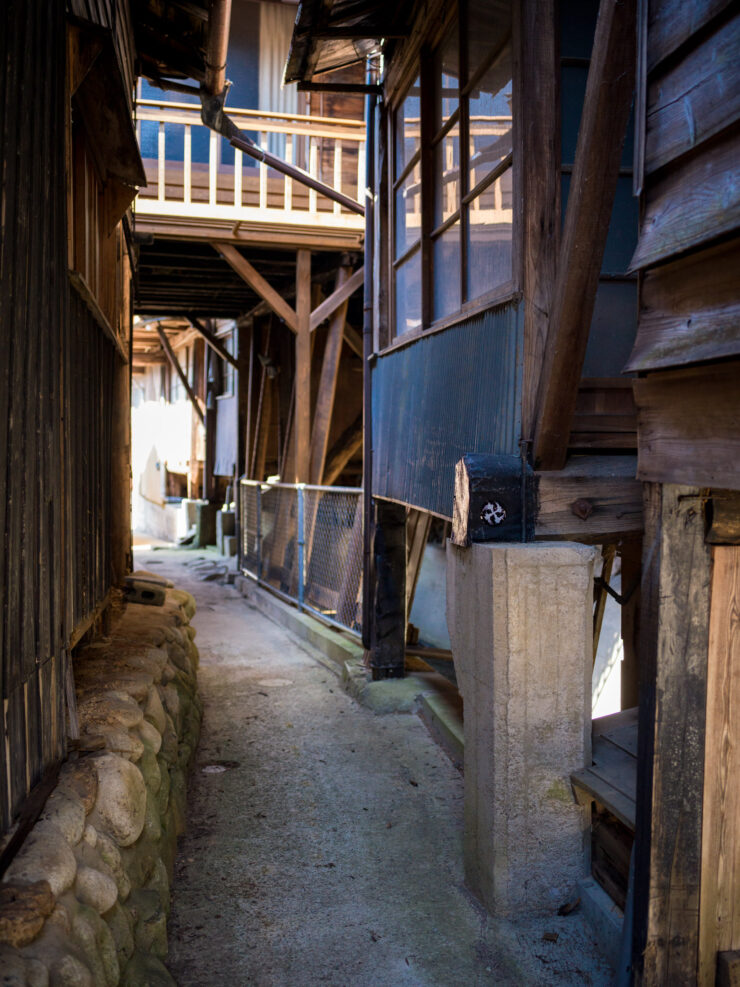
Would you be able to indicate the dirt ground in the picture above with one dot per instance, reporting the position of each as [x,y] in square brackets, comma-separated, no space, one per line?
[324,843]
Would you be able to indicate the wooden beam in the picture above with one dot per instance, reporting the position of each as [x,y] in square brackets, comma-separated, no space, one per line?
[354,340]
[324,409]
[671,737]
[537,151]
[594,499]
[719,923]
[302,417]
[337,298]
[347,445]
[417,534]
[258,284]
[606,109]
[213,341]
[181,374]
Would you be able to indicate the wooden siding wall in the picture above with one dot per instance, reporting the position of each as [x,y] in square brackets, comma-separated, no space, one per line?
[689,246]
[55,409]
[687,354]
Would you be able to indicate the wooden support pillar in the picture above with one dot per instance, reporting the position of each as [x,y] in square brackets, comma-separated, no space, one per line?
[719,923]
[328,384]
[671,738]
[630,553]
[209,420]
[120,535]
[302,416]
[388,634]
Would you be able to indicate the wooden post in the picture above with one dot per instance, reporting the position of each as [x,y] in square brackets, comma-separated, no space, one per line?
[388,634]
[302,417]
[670,757]
[606,109]
[631,554]
[417,535]
[328,385]
[719,922]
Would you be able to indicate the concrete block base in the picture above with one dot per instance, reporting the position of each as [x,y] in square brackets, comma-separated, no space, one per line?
[520,623]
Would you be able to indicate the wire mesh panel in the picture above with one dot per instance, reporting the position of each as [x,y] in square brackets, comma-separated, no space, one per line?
[250,527]
[279,523]
[306,542]
[333,551]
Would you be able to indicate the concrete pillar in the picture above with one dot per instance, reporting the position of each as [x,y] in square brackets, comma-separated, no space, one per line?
[520,623]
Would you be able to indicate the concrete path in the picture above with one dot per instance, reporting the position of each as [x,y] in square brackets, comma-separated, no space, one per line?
[324,843]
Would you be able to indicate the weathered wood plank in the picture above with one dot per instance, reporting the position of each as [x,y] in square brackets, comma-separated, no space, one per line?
[417,535]
[689,426]
[258,284]
[324,409]
[672,718]
[601,135]
[175,363]
[302,414]
[337,298]
[214,342]
[696,202]
[594,499]
[672,23]
[689,310]
[537,70]
[347,445]
[720,875]
[696,98]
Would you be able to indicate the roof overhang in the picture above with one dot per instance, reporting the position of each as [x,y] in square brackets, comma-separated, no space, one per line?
[335,34]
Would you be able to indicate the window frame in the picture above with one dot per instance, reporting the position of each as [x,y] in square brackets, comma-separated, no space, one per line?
[424,67]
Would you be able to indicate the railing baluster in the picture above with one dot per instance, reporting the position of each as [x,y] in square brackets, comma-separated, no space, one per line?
[313,157]
[212,168]
[187,179]
[288,182]
[263,176]
[237,178]
[160,162]
[361,173]
[337,173]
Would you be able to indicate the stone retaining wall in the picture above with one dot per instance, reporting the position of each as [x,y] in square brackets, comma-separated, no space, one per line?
[85,901]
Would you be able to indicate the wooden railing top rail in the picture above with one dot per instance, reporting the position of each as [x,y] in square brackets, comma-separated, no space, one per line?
[281,123]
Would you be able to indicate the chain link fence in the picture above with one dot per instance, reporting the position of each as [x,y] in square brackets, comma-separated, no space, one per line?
[305,542]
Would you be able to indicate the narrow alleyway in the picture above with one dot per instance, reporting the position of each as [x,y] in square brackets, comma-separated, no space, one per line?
[323,842]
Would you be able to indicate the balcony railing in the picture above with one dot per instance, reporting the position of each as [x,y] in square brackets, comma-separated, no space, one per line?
[194,174]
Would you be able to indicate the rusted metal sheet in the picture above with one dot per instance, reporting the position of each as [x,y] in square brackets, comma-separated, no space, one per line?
[454,392]
[55,409]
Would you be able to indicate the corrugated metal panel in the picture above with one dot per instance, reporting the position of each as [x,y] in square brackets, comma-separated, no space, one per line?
[55,413]
[450,393]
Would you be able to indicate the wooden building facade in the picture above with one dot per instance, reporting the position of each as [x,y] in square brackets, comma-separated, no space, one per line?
[70,171]
[528,306]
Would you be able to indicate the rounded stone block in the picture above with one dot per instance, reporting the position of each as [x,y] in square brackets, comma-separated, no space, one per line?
[45,856]
[120,807]
[23,910]
[96,889]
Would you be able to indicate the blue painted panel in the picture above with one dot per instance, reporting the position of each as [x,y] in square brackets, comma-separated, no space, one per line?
[447,394]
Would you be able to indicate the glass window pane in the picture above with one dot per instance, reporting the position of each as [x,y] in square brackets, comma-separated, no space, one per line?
[489,108]
[489,238]
[489,25]
[408,294]
[408,211]
[447,272]
[447,176]
[447,74]
[408,128]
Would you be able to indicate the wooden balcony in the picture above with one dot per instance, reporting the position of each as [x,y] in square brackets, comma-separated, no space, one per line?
[201,188]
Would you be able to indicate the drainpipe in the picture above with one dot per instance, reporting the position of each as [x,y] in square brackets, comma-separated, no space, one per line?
[367,351]
[219,22]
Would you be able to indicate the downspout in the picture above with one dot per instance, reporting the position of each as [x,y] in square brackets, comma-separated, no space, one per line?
[367,352]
